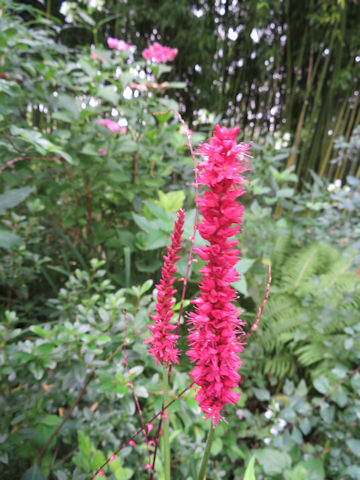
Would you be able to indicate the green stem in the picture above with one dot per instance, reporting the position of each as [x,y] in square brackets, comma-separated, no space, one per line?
[206,456]
[166,443]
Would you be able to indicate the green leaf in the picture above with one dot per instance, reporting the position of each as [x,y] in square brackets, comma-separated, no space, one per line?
[36,370]
[327,412]
[244,265]
[172,201]
[321,384]
[33,473]
[339,397]
[8,240]
[250,471]
[261,394]
[272,461]
[285,192]
[109,93]
[11,89]
[13,197]
[39,331]
[354,445]
[217,446]
[41,144]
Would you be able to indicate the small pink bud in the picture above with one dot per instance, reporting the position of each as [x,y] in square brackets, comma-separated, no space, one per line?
[147,466]
[112,458]
[103,152]
[151,442]
[194,388]
[129,384]
[160,433]
[132,443]
[102,473]
[165,415]
[150,426]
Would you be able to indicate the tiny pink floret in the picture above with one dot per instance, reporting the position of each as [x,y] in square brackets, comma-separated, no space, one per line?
[103,152]
[159,54]
[102,473]
[147,466]
[150,426]
[215,324]
[132,443]
[112,458]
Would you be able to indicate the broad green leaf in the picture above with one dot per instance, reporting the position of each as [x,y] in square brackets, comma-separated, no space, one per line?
[33,473]
[272,461]
[321,384]
[8,240]
[13,197]
[354,445]
[109,93]
[217,446]
[9,88]
[172,201]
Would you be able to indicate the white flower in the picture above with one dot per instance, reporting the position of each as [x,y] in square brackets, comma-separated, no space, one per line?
[274,431]
[268,414]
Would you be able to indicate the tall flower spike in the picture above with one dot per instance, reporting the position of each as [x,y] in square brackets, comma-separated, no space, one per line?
[162,344]
[215,324]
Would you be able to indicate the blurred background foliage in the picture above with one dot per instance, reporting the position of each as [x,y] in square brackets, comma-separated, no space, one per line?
[86,214]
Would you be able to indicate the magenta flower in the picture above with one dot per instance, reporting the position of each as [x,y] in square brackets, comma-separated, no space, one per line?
[119,44]
[159,54]
[214,345]
[103,152]
[113,126]
[162,344]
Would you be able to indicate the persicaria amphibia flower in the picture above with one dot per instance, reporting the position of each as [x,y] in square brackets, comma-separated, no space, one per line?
[159,54]
[215,324]
[162,344]
[113,126]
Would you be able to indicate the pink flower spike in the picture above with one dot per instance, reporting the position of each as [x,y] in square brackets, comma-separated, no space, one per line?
[162,344]
[150,426]
[103,152]
[215,325]
[112,458]
[147,466]
[102,473]
[132,443]
[165,415]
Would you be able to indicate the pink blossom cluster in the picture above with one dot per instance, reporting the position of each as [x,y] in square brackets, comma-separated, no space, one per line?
[162,344]
[119,44]
[215,324]
[159,54]
[113,126]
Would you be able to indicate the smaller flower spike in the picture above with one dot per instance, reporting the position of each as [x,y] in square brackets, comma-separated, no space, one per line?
[162,344]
